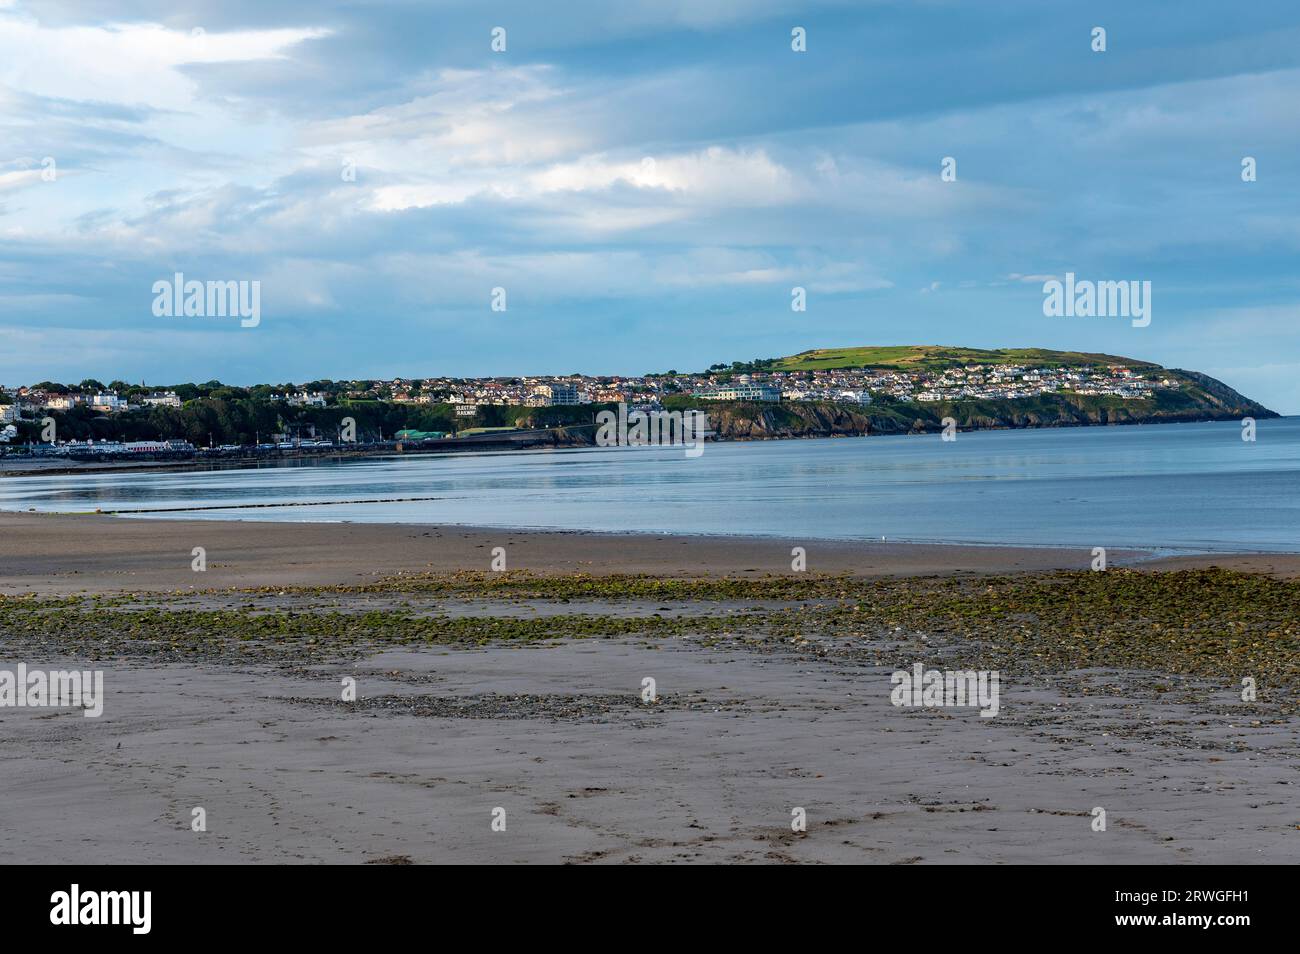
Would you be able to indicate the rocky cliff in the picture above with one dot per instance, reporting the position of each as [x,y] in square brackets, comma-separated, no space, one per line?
[1202,398]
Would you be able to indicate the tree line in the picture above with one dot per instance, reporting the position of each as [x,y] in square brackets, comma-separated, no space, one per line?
[247,420]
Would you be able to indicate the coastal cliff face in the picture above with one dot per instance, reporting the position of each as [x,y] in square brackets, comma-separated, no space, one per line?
[1201,399]
[739,421]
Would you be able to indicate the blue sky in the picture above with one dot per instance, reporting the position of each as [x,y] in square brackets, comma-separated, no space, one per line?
[647,180]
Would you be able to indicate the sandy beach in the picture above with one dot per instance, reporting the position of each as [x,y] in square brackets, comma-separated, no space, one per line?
[87,553]
[523,691]
[712,779]
[92,553]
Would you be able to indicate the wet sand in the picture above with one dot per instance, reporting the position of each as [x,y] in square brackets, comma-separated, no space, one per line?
[86,553]
[749,724]
[714,780]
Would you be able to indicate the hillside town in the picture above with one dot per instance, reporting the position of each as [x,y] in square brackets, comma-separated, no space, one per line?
[855,386]
[859,386]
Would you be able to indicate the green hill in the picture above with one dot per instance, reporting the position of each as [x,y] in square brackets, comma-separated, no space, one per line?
[1196,397]
[937,357]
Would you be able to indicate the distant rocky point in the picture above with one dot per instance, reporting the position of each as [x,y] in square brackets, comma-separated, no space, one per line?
[915,387]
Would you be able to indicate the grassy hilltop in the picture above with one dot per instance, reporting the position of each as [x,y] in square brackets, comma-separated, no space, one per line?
[938,357]
[1197,397]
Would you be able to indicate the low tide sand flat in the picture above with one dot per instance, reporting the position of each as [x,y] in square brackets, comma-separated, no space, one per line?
[87,553]
[72,553]
[284,781]
[523,690]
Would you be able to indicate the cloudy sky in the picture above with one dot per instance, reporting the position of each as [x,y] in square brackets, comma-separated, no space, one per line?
[647,179]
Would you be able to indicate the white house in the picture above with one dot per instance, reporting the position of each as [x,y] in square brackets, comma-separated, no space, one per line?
[107,402]
[162,399]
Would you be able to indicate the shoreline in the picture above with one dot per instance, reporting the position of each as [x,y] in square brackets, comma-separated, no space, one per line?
[528,441]
[80,553]
[1128,556]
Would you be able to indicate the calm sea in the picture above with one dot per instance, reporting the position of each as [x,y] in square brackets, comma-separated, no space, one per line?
[1167,487]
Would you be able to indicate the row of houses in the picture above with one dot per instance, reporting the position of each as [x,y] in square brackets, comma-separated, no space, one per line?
[844,385]
[28,402]
[302,399]
[973,382]
[115,447]
[743,389]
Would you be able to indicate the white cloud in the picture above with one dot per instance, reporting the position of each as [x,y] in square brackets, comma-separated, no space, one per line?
[716,175]
[134,64]
[19,178]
